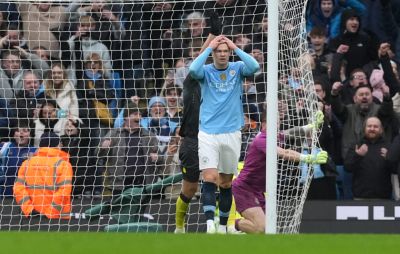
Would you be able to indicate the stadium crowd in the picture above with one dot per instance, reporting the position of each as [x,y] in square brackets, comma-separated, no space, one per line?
[108,80]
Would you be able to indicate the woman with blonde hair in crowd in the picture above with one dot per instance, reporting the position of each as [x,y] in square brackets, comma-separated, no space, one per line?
[59,88]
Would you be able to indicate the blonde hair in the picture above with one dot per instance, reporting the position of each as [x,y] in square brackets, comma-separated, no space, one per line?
[50,90]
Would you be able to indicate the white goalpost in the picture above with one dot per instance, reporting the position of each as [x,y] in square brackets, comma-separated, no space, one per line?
[107,78]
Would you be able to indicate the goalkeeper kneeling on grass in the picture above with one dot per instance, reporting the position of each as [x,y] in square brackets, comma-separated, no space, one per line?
[249,187]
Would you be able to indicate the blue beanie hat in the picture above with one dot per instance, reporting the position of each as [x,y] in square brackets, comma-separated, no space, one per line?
[157,99]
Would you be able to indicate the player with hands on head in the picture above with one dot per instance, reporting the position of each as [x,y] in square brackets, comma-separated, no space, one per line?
[221,119]
[188,152]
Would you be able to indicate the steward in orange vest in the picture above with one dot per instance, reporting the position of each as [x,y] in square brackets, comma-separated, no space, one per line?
[44,181]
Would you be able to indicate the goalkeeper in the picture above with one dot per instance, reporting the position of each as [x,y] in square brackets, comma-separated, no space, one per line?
[249,187]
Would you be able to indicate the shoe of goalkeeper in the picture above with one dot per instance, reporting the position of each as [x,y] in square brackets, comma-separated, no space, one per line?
[233,231]
[179,230]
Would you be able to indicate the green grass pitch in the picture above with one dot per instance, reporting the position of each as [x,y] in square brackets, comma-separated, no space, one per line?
[110,243]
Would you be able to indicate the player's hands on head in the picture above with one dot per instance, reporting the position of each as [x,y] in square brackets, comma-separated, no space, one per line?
[230,43]
[216,41]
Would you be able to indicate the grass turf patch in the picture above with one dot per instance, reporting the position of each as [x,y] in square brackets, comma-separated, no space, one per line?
[74,242]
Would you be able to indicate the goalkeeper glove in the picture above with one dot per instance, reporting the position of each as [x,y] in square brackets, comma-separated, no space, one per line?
[215,23]
[318,120]
[318,158]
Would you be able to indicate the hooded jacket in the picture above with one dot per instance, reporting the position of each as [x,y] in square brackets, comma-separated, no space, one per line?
[362,49]
[44,184]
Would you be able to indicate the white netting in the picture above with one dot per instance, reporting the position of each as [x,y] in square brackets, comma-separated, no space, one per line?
[297,107]
[76,67]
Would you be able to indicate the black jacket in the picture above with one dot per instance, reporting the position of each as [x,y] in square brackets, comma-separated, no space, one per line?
[372,172]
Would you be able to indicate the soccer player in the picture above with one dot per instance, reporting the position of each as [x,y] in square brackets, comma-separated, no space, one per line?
[221,118]
[249,187]
[188,152]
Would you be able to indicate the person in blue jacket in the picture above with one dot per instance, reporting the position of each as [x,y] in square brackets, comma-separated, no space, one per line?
[12,155]
[327,14]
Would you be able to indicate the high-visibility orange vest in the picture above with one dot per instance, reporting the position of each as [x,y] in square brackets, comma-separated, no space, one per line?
[44,184]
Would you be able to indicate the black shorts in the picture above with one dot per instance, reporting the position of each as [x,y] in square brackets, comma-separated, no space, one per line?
[189,156]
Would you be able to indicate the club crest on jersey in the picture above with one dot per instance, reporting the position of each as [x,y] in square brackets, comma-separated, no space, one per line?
[222,76]
[232,72]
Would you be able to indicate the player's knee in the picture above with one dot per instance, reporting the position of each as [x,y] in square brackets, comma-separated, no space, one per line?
[190,191]
[259,229]
[209,176]
[225,185]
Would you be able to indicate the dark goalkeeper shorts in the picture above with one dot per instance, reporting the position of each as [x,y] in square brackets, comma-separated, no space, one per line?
[189,157]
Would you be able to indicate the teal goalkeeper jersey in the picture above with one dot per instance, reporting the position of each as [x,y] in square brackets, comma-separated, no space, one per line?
[221,109]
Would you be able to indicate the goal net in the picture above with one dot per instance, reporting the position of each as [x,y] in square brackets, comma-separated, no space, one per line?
[106,77]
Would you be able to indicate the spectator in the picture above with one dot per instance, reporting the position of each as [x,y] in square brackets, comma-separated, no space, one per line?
[157,122]
[42,52]
[82,45]
[94,93]
[13,153]
[319,51]
[353,115]
[40,20]
[76,142]
[368,162]
[54,203]
[27,100]
[357,77]
[13,38]
[161,126]
[12,68]
[358,47]
[59,88]
[109,28]
[173,96]
[193,28]
[327,14]
[130,152]
[50,118]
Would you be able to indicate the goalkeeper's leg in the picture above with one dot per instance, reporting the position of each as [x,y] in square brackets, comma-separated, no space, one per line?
[251,206]
[253,221]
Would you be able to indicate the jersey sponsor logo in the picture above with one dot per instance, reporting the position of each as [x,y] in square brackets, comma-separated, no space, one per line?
[223,87]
